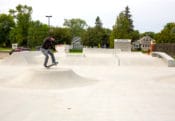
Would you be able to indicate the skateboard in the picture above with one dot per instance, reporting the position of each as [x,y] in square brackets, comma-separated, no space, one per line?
[53,64]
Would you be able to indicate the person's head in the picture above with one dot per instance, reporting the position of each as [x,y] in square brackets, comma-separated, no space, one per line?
[51,39]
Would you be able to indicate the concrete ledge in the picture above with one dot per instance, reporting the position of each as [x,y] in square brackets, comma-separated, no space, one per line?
[168,59]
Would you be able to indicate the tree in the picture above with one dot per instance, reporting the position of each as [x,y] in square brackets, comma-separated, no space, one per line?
[151,34]
[111,39]
[128,16]
[135,35]
[77,26]
[167,35]
[6,25]
[62,35]
[36,33]
[123,28]
[22,14]
[89,38]
[14,36]
[106,38]
[96,36]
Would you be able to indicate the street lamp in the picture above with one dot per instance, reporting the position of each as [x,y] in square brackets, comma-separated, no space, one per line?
[49,20]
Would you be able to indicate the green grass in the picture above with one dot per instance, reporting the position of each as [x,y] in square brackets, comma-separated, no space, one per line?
[75,50]
[5,49]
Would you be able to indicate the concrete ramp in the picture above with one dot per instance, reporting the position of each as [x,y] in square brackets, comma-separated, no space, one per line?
[139,59]
[48,79]
[24,58]
[90,59]
[165,57]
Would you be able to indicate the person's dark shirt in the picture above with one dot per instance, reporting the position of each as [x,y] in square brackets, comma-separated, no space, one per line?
[48,44]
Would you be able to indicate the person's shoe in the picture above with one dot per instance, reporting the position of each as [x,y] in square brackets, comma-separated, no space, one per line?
[46,66]
[55,63]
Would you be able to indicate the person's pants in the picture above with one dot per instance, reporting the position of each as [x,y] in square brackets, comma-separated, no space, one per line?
[47,52]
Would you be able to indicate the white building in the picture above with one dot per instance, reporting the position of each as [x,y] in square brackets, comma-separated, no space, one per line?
[145,43]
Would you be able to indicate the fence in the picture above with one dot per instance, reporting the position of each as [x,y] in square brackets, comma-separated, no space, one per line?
[168,48]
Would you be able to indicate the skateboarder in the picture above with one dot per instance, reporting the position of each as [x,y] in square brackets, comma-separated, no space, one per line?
[48,44]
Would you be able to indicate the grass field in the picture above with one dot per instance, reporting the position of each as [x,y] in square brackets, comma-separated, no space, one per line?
[5,49]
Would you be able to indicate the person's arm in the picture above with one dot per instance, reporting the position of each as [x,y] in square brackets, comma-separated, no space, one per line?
[53,43]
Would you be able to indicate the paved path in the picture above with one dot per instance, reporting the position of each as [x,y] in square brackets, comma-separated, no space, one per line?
[3,55]
[87,92]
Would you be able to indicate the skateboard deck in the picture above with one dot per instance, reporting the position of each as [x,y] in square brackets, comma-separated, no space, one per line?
[53,64]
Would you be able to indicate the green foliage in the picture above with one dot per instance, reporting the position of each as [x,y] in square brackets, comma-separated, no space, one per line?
[135,35]
[96,37]
[62,35]
[111,40]
[6,25]
[151,34]
[167,35]
[37,32]
[30,33]
[77,26]
[22,14]
[5,49]
[76,50]
[87,38]
[123,28]
[128,16]
[15,36]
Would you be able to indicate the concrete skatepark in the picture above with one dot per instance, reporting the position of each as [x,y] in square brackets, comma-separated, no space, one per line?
[93,86]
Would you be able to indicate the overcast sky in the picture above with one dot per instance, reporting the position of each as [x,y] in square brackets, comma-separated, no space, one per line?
[147,15]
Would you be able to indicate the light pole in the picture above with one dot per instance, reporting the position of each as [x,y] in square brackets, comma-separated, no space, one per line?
[49,20]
